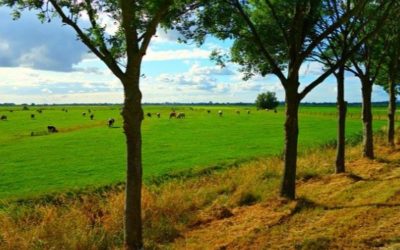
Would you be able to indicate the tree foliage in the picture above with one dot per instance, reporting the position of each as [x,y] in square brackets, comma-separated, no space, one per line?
[390,68]
[274,37]
[268,36]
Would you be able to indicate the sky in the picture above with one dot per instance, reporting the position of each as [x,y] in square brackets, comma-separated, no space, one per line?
[45,63]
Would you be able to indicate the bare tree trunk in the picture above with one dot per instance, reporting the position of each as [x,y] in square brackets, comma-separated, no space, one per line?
[288,188]
[368,144]
[341,133]
[391,112]
[133,116]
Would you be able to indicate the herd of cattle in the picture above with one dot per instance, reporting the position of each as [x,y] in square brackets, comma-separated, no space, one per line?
[111,121]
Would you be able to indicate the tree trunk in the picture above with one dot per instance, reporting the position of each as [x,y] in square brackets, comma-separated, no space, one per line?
[133,116]
[341,136]
[391,112]
[288,188]
[368,145]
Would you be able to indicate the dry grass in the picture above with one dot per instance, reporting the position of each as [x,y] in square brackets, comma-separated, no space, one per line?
[94,221]
[236,208]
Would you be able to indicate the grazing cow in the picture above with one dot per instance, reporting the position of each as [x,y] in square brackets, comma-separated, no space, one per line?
[83,113]
[39,111]
[11,110]
[32,116]
[148,115]
[90,111]
[158,115]
[91,116]
[220,113]
[3,118]
[275,111]
[248,112]
[180,116]
[172,114]
[238,112]
[208,111]
[52,129]
[111,122]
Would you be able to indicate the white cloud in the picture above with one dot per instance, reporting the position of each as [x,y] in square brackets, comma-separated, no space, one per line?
[196,69]
[4,46]
[195,85]
[94,97]
[46,90]
[34,56]
[27,42]
[163,36]
[180,54]
[311,69]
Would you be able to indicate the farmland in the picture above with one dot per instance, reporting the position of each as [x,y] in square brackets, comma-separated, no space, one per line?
[86,153]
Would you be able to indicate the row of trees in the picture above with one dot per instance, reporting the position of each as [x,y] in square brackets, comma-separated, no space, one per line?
[269,37]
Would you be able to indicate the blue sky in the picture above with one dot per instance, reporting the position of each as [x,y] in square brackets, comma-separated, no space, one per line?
[44,63]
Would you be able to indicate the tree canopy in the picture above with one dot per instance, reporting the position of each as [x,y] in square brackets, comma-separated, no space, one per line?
[267,100]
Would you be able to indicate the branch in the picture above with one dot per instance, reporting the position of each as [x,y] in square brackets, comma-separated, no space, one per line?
[359,72]
[330,30]
[343,60]
[276,70]
[277,20]
[110,62]
[326,60]
[103,46]
[152,26]
[352,71]
[380,62]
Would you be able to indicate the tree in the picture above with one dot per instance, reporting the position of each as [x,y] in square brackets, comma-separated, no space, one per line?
[366,65]
[328,53]
[389,75]
[267,100]
[273,37]
[123,53]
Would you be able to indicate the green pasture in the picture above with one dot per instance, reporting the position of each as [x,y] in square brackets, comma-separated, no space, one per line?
[86,153]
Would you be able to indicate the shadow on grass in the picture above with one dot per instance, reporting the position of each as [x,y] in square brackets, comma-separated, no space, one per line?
[304,204]
[61,198]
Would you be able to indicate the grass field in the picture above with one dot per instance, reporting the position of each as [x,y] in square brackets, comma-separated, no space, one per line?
[86,153]
[237,208]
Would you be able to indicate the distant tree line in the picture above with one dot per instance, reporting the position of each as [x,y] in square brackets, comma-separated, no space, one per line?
[316,104]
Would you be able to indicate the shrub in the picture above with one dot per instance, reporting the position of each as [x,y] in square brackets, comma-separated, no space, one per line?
[267,100]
